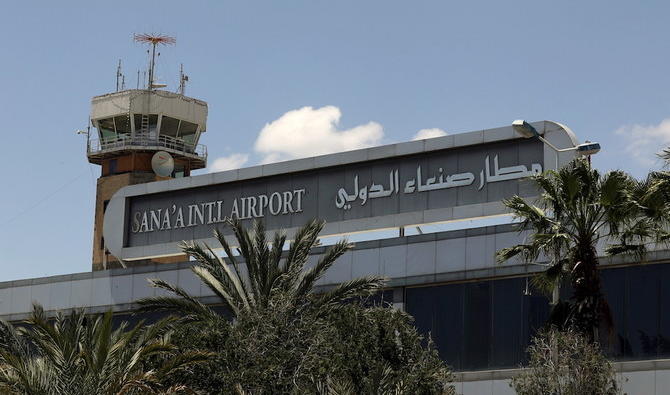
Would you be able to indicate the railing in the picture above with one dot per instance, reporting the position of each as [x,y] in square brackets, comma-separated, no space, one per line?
[126,141]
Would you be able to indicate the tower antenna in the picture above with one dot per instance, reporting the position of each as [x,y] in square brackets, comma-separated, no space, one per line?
[119,75]
[183,79]
[153,40]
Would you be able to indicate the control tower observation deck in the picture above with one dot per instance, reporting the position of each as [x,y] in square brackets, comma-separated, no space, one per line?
[138,121]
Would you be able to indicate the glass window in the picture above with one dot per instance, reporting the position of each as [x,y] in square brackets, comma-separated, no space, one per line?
[438,313]
[169,126]
[147,130]
[137,119]
[449,324]
[508,319]
[112,166]
[122,124]
[536,313]
[187,131]
[477,325]
[106,129]
[642,309]
[613,282]
[489,324]
[663,308]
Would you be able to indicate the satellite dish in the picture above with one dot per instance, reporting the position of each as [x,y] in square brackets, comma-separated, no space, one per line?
[162,164]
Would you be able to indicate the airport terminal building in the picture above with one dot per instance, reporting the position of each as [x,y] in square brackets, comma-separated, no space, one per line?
[480,314]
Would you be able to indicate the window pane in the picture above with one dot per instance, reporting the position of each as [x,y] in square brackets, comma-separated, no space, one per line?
[508,300]
[614,288]
[477,325]
[137,118]
[169,126]
[147,130]
[187,131]
[643,310]
[106,128]
[122,124]
[438,312]
[153,124]
[664,319]
[536,313]
[449,324]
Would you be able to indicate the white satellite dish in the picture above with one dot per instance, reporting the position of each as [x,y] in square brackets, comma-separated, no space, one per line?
[162,164]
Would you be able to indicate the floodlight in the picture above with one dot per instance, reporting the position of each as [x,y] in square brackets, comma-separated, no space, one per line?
[525,129]
[588,148]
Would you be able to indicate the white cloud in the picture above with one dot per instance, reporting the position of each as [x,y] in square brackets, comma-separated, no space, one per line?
[429,134]
[234,161]
[309,131]
[643,142]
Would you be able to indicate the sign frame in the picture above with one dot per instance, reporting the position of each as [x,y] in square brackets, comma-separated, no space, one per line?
[118,215]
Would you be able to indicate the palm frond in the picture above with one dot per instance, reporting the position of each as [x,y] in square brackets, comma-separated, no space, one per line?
[192,309]
[524,250]
[246,250]
[356,288]
[309,277]
[306,238]
[233,300]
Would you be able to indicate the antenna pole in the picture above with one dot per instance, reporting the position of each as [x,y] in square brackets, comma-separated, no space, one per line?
[182,80]
[138,78]
[118,74]
[88,135]
[153,40]
[151,66]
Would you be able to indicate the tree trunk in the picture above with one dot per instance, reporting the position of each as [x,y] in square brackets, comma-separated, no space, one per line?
[587,293]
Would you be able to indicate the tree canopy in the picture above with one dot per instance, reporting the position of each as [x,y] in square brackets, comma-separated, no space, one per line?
[578,209]
[565,363]
[285,337]
[264,275]
[79,354]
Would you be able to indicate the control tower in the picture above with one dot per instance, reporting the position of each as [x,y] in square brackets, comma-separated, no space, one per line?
[140,136]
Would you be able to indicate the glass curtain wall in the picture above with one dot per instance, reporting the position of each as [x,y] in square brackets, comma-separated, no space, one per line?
[488,324]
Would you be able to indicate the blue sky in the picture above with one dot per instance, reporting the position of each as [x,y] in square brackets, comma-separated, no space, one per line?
[378,70]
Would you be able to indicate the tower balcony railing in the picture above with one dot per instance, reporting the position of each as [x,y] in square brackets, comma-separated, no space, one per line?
[120,142]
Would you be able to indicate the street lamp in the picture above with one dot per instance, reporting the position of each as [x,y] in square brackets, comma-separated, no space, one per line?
[526,130]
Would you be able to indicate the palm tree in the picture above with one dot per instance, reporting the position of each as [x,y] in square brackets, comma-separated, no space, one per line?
[577,208]
[657,195]
[79,354]
[271,277]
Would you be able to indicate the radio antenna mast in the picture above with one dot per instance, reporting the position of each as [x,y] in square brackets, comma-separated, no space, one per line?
[183,79]
[119,75]
[153,40]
